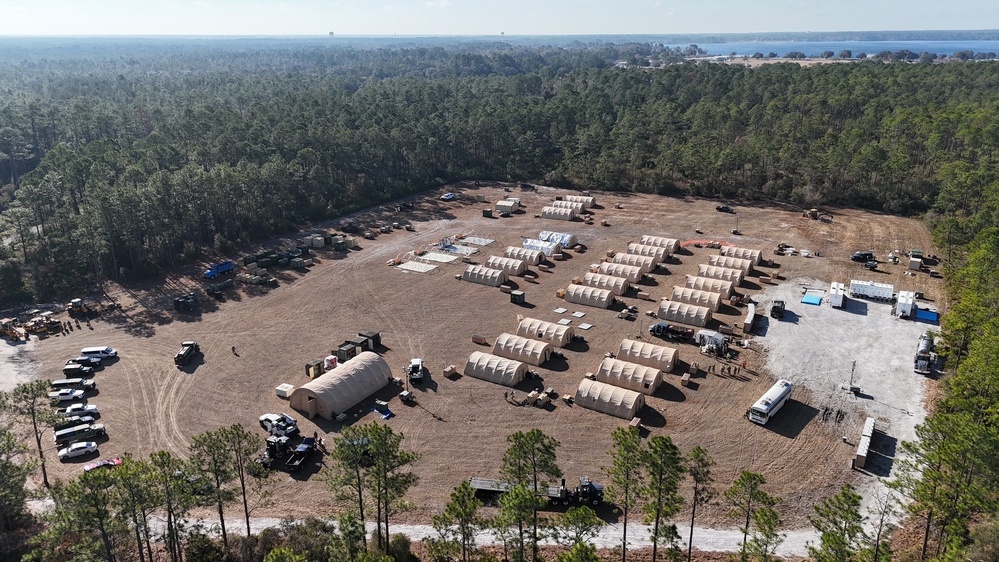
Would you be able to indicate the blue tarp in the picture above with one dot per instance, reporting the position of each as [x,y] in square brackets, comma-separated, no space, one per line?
[927,315]
[812,299]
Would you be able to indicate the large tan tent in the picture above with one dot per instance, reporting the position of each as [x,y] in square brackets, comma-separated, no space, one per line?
[632,376]
[494,368]
[518,348]
[729,262]
[657,252]
[555,334]
[671,244]
[697,297]
[558,213]
[724,288]
[509,266]
[648,354]
[646,263]
[587,201]
[724,273]
[589,296]
[340,389]
[741,253]
[684,313]
[484,275]
[630,272]
[532,257]
[616,285]
[576,206]
[609,399]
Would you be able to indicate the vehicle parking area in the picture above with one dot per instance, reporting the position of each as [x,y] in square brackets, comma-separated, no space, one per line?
[255,339]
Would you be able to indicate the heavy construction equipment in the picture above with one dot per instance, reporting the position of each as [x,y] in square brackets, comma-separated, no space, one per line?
[11,330]
[77,308]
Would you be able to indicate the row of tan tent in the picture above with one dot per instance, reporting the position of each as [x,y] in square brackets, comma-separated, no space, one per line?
[723,273]
[587,201]
[648,354]
[724,288]
[630,272]
[616,285]
[672,245]
[526,255]
[744,265]
[696,297]
[589,296]
[742,253]
[684,313]
[558,213]
[576,206]
[336,391]
[484,275]
[609,399]
[645,263]
[657,252]
[632,376]
[519,348]
[558,335]
[510,266]
[495,369]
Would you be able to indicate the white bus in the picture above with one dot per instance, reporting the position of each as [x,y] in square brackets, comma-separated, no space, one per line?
[770,403]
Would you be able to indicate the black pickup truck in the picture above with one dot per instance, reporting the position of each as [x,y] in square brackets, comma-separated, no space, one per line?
[301,454]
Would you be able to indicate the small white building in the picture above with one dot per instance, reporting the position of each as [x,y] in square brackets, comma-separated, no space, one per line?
[915,264]
[905,306]
[837,294]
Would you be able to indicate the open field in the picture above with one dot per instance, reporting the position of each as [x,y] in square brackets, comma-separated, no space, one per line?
[459,426]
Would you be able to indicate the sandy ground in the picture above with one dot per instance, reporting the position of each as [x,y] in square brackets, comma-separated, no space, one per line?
[459,426]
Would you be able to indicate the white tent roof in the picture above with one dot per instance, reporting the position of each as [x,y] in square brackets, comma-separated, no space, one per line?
[630,272]
[648,354]
[546,248]
[558,213]
[658,252]
[646,263]
[484,275]
[741,253]
[565,239]
[587,201]
[671,244]
[510,266]
[684,313]
[609,399]
[694,296]
[709,336]
[616,285]
[532,257]
[724,273]
[708,284]
[493,368]
[731,262]
[632,376]
[518,348]
[590,296]
[555,334]
[338,390]
[576,206]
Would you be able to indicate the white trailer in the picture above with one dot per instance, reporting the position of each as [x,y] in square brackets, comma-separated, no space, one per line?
[872,290]
[747,324]
[837,294]
[905,306]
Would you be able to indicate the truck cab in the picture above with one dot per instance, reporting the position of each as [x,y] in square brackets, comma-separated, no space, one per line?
[187,352]
[777,310]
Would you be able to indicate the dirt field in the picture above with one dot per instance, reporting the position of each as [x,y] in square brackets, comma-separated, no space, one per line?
[459,426]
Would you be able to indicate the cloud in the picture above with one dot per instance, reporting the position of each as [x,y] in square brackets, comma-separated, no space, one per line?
[441,4]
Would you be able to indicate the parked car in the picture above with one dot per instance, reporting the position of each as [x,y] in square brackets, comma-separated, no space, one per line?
[724,209]
[82,384]
[65,395]
[73,421]
[415,370]
[87,360]
[863,257]
[187,352]
[281,425]
[77,370]
[109,463]
[77,450]
[78,409]
[100,351]
[448,197]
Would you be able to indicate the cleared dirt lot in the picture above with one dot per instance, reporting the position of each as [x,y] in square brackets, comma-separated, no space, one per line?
[459,426]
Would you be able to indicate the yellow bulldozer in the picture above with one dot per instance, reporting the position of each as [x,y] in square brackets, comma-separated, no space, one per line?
[10,330]
[77,307]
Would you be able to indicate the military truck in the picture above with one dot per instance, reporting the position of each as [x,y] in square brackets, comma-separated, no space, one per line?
[587,491]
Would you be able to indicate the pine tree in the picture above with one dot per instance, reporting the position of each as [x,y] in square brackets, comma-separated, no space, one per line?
[626,476]
[840,526]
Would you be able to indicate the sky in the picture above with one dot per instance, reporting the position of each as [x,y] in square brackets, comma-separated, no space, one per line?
[484,17]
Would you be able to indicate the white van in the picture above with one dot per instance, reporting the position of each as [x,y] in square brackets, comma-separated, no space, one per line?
[82,384]
[100,351]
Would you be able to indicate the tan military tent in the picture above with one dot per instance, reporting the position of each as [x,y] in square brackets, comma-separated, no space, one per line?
[525,350]
[630,272]
[741,253]
[724,288]
[494,368]
[671,244]
[484,275]
[340,389]
[646,263]
[743,265]
[506,207]
[587,201]
[589,296]
[648,354]
[510,266]
[609,399]
[557,213]
[616,285]
[697,297]
[532,257]
[724,273]
[684,313]
[576,206]
[555,334]
[657,252]
[632,376]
